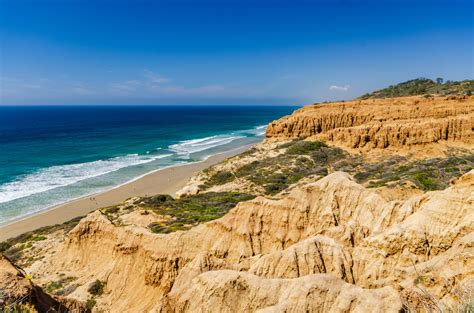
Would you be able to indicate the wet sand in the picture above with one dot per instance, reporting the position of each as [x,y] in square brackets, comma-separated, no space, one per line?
[165,181]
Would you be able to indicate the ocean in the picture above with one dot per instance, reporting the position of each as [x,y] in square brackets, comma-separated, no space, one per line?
[53,154]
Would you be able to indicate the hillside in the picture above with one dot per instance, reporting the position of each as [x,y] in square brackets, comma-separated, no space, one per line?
[423,86]
[360,206]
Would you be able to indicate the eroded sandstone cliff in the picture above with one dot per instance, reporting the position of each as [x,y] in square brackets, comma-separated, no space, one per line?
[19,294]
[331,245]
[382,123]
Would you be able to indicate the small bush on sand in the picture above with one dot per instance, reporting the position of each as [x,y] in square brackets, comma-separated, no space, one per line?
[96,288]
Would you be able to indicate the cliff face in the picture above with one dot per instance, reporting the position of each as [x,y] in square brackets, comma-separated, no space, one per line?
[19,294]
[331,245]
[382,123]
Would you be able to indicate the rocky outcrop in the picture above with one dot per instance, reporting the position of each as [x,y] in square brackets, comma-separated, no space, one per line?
[382,123]
[330,245]
[19,294]
[232,291]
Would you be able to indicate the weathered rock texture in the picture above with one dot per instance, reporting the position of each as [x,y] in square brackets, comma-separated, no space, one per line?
[19,294]
[382,123]
[329,246]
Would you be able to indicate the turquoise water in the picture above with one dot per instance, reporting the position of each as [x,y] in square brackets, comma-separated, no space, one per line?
[53,154]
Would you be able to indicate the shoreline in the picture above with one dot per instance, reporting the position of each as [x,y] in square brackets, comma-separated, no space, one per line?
[160,181]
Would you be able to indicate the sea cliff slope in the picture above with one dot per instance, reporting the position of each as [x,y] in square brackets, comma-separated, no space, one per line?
[360,206]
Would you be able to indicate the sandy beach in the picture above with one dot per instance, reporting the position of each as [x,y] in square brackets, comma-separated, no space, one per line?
[165,181]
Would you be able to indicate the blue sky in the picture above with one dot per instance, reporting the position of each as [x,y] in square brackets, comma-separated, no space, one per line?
[227,51]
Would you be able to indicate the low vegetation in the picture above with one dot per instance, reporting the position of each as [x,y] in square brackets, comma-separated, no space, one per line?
[191,210]
[300,159]
[90,303]
[96,288]
[306,158]
[16,248]
[422,86]
[60,286]
[182,213]
[17,308]
[430,174]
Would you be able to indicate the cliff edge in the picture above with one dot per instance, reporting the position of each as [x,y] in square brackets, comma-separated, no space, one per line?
[381,123]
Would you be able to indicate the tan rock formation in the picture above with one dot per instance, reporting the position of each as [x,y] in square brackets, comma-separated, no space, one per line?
[232,291]
[330,245]
[19,294]
[382,123]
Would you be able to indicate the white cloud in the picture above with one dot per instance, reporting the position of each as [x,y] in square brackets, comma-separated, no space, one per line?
[206,90]
[184,91]
[148,84]
[8,79]
[13,86]
[127,87]
[159,85]
[154,78]
[339,88]
[82,90]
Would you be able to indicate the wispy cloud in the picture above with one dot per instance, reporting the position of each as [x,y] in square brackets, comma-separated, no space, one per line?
[147,84]
[209,89]
[82,90]
[155,78]
[339,88]
[126,87]
[4,79]
[13,86]
[45,80]
[158,84]
[287,76]
[29,86]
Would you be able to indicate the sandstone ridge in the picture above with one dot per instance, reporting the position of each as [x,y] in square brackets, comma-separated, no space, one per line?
[382,123]
[330,245]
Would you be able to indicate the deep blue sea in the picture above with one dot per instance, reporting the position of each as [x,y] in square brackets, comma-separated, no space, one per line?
[52,154]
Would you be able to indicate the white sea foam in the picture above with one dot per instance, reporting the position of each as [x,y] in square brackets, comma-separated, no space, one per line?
[257,131]
[64,175]
[186,147]
[260,130]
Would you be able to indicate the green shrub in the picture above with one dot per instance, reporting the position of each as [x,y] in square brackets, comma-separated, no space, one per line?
[90,303]
[191,210]
[96,288]
[220,178]
[54,287]
[429,174]
[38,238]
[111,210]
[4,246]
[424,179]
[301,159]
[305,147]
[422,86]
